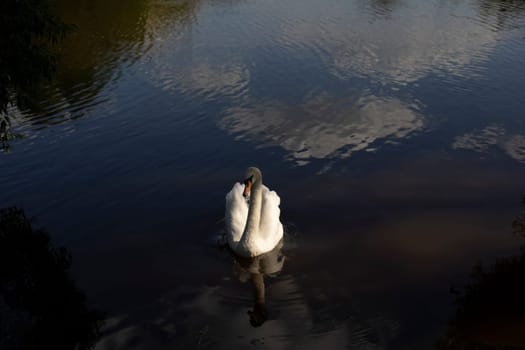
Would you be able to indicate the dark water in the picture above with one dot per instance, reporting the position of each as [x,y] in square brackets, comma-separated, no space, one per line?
[393,131]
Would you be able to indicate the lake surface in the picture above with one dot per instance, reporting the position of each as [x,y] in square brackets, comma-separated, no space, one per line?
[393,131]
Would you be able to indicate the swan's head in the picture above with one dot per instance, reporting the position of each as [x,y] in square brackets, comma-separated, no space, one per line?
[259,315]
[253,175]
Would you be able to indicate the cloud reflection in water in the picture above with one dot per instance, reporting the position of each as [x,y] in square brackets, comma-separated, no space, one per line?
[323,127]
[398,51]
[482,140]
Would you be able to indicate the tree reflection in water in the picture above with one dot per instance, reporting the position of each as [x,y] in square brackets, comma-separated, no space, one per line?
[29,31]
[48,77]
[490,312]
[40,306]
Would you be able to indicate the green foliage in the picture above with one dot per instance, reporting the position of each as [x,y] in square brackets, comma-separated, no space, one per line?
[28,31]
[40,306]
[490,312]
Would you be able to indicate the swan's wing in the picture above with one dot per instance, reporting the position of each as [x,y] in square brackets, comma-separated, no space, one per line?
[270,227]
[236,213]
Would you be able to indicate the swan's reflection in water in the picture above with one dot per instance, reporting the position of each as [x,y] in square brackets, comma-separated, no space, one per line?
[253,270]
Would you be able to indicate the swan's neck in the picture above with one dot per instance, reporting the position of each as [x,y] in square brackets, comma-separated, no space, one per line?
[254,215]
[258,288]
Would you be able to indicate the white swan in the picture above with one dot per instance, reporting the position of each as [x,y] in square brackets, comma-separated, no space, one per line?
[252,229]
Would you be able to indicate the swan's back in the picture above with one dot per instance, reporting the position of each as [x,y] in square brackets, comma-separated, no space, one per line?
[270,227]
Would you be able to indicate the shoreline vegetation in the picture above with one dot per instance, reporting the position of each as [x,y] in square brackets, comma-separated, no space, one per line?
[40,305]
[490,309]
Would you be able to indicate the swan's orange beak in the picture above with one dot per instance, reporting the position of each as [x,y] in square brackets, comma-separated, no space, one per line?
[247,187]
